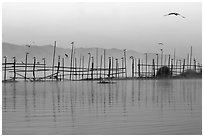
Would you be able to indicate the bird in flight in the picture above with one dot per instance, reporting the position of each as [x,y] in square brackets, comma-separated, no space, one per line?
[66,55]
[28,46]
[160,43]
[174,13]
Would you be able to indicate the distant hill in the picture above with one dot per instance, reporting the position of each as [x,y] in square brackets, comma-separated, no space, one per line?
[46,51]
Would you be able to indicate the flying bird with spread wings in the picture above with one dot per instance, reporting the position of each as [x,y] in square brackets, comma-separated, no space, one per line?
[174,13]
[160,43]
[66,55]
[28,46]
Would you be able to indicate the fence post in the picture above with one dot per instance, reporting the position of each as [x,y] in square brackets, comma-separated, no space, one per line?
[83,67]
[101,66]
[171,67]
[109,67]
[169,61]
[176,66]
[132,67]
[14,68]
[5,68]
[75,68]
[122,65]
[112,65]
[183,65]
[58,65]
[116,67]
[92,68]
[34,60]
[63,69]
[26,64]
[194,64]
[139,68]
[44,68]
[153,65]
[135,67]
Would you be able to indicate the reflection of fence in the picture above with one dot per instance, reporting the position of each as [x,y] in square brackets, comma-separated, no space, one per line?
[36,71]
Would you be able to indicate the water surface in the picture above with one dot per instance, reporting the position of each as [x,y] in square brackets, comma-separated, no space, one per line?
[85,107]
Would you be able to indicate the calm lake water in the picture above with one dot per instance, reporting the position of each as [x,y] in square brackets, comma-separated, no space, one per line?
[85,107]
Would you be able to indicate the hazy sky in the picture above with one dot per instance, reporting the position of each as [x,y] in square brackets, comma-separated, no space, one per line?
[137,26]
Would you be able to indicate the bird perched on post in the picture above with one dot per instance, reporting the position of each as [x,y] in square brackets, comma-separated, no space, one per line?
[131,57]
[174,13]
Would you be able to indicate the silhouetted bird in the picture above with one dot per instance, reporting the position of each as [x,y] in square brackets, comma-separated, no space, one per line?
[160,43]
[66,55]
[22,62]
[28,46]
[174,13]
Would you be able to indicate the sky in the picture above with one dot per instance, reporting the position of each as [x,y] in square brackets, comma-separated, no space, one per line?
[132,26]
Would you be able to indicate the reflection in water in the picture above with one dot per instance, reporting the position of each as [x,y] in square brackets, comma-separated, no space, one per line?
[14,96]
[133,92]
[27,117]
[4,98]
[77,107]
[139,83]
[124,91]
[53,104]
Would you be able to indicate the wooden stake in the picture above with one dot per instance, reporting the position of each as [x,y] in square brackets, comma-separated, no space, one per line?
[58,66]
[109,67]
[135,67]
[101,66]
[14,68]
[132,66]
[63,68]
[146,64]
[75,68]
[92,68]
[176,69]
[172,64]
[112,66]
[97,61]
[80,66]
[174,56]
[53,62]
[180,66]
[153,64]
[169,61]
[104,63]
[83,67]
[183,65]
[122,66]
[88,65]
[190,57]
[26,64]
[187,61]
[34,60]
[5,61]
[125,63]
[116,66]
[157,62]
[194,64]
[71,60]
[139,68]
[44,69]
